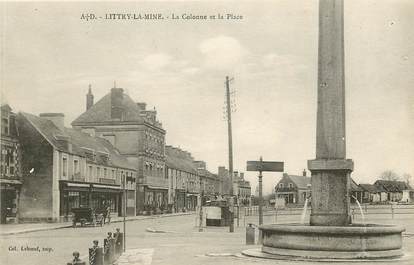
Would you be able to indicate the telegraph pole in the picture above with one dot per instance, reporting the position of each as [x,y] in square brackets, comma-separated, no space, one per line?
[230,152]
[125,209]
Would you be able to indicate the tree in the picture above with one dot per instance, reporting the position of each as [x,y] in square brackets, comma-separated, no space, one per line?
[389,175]
[407,178]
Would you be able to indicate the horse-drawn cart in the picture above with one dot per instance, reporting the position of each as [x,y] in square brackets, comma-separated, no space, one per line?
[86,216]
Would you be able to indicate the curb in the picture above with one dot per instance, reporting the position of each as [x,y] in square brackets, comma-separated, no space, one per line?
[136,218]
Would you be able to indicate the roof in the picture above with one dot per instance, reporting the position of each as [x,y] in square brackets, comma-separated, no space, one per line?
[371,188]
[355,187]
[301,182]
[177,159]
[392,185]
[5,107]
[100,112]
[80,142]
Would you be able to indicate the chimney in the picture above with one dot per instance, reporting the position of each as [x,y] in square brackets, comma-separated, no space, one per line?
[57,118]
[304,173]
[89,98]
[117,95]
[141,105]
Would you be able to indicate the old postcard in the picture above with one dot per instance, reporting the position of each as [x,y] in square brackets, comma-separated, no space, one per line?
[207,132]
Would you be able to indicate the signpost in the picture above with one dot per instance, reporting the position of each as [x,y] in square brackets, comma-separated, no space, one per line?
[261,166]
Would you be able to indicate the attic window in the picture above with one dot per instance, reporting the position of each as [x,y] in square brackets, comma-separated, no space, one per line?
[281,185]
[104,157]
[89,153]
[290,185]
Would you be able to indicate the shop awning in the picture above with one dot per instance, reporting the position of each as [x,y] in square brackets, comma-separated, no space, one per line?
[77,185]
[69,186]
[10,181]
[106,188]
[157,188]
[114,187]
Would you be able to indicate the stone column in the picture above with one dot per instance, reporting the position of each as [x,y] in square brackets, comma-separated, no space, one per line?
[330,170]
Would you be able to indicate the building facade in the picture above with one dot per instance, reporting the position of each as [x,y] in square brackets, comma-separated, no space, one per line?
[396,191]
[372,193]
[184,180]
[244,193]
[210,182]
[224,178]
[64,168]
[10,178]
[293,189]
[139,137]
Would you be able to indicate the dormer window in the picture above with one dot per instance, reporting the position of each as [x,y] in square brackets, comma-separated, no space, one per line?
[290,185]
[281,185]
[5,125]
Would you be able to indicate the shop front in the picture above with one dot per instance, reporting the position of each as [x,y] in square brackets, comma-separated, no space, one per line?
[155,200]
[191,201]
[89,195]
[9,192]
[180,200]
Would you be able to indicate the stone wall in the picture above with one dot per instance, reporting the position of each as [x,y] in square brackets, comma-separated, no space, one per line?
[36,196]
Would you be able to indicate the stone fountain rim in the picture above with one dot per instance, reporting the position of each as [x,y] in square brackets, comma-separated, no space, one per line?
[296,228]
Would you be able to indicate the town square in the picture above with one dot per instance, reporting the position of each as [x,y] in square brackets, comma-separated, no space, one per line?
[197,133]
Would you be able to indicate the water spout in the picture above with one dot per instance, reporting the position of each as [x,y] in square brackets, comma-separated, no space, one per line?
[305,208]
[360,210]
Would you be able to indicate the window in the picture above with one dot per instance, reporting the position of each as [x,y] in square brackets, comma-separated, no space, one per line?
[281,185]
[75,167]
[64,166]
[113,174]
[98,172]
[90,171]
[11,157]
[105,173]
[5,123]
[290,185]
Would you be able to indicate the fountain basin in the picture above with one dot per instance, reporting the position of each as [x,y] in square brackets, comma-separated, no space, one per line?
[356,241]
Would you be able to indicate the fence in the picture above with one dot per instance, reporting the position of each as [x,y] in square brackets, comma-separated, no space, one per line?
[277,215]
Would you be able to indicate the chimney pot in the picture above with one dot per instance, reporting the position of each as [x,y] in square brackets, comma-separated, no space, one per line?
[116,103]
[142,105]
[89,98]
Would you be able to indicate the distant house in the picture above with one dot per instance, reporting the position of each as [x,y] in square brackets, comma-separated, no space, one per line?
[396,190]
[357,192]
[293,189]
[373,193]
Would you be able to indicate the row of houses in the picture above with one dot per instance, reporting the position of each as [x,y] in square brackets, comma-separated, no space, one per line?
[295,189]
[386,191]
[114,153]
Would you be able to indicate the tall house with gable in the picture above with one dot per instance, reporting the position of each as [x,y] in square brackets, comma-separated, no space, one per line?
[10,177]
[136,133]
[63,168]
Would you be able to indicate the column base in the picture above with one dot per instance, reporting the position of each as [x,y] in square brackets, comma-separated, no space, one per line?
[330,219]
[331,183]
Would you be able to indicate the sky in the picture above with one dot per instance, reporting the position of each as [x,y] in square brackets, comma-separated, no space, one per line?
[49,56]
